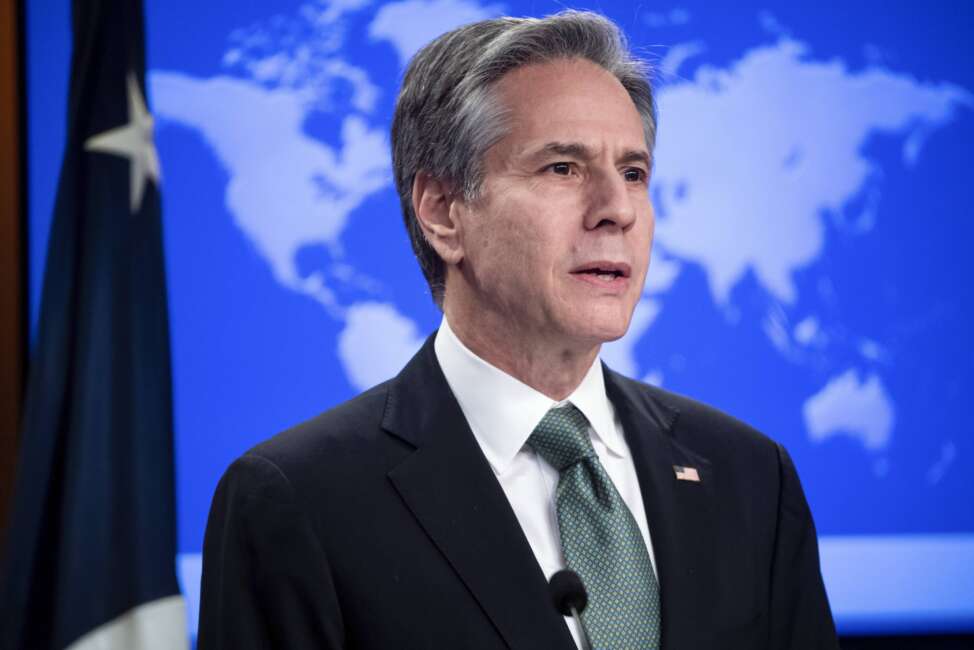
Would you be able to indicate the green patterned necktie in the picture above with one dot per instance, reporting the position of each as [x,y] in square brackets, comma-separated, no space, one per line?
[599,538]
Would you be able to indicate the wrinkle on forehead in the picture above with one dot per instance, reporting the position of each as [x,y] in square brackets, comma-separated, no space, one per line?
[591,104]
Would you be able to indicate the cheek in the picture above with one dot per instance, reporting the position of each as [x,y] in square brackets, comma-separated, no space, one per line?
[522,241]
[642,243]
[515,243]
[498,255]
[648,230]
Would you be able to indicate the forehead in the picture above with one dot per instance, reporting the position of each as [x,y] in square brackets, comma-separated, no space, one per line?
[568,100]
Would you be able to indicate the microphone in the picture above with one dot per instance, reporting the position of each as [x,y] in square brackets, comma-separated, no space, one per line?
[569,597]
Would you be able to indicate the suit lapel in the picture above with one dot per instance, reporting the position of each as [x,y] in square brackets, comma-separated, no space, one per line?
[449,487]
[680,512]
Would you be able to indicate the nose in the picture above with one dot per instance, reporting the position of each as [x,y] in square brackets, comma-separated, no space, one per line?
[610,201]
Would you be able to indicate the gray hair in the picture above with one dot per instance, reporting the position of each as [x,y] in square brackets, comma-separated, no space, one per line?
[447,117]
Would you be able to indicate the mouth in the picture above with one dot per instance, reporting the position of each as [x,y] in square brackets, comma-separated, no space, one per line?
[609,278]
[605,271]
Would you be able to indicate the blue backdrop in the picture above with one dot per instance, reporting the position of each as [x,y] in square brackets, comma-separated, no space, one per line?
[811,273]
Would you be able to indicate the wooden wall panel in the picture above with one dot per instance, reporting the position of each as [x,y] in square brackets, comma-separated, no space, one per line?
[12,249]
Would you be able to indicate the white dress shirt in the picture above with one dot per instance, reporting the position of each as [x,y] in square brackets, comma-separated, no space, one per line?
[502,412]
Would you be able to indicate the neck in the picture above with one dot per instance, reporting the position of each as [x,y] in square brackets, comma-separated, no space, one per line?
[550,366]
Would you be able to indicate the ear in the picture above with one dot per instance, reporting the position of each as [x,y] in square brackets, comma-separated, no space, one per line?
[433,204]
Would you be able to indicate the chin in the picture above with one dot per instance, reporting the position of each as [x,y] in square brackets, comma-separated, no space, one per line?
[609,334]
[604,325]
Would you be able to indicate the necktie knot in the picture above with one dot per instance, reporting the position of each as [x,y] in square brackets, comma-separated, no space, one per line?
[561,438]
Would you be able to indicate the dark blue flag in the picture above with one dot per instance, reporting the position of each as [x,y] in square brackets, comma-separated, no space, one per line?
[90,559]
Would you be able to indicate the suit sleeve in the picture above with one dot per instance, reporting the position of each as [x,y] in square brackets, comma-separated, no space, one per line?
[800,613]
[266,581]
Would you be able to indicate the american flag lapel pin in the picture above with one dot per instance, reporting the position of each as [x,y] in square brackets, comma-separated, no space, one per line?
[686,473]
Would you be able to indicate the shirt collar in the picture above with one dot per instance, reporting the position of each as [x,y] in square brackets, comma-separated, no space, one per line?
[502,411]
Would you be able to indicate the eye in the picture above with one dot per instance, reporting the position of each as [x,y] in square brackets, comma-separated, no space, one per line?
[634,175]
[560,168]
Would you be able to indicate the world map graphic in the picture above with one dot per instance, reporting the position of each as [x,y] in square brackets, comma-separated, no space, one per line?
[793,283]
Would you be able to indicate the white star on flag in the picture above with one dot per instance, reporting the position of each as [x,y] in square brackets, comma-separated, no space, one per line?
[133,141]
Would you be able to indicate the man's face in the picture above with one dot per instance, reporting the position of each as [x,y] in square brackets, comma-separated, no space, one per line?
[558,244]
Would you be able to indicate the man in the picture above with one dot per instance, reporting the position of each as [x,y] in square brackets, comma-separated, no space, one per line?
[430,511]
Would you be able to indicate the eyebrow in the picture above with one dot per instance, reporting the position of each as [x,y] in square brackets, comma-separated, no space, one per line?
[583,152]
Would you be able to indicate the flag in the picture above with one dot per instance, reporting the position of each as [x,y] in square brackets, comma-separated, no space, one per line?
[90,557]
[686,474]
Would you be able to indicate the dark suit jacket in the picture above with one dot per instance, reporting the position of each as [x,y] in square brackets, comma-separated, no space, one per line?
[380,524]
